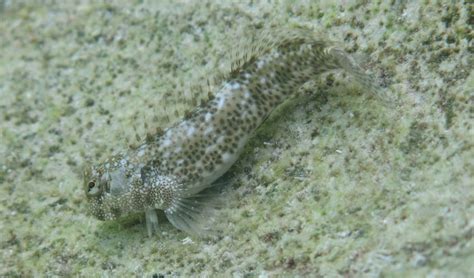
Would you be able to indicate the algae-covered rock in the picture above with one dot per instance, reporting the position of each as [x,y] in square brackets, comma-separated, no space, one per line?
[337,182]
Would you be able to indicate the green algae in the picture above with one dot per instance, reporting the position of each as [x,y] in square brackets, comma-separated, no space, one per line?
[334,183]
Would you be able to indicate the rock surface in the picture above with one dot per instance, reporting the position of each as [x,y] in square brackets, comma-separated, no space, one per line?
[336,182]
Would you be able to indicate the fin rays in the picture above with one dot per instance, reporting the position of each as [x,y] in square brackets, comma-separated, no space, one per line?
[192,215]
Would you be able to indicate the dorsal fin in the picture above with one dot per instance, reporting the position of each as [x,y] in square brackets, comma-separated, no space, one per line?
[187,96]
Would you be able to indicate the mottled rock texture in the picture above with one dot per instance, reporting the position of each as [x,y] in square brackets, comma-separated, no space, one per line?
[336,181]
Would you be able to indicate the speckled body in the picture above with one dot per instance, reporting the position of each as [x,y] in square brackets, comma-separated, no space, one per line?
[177,164]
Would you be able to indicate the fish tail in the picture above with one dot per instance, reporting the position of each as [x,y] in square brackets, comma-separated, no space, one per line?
[344,61]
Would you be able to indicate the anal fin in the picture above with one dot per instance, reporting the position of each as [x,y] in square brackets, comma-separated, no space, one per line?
[193,215]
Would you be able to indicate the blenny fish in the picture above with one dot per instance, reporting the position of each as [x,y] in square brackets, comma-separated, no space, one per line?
[170,169]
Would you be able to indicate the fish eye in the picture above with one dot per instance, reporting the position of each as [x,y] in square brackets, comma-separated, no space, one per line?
[91,185]
[93,188]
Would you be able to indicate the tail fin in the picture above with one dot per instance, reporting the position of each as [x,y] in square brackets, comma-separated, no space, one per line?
[347,63]
[344,61]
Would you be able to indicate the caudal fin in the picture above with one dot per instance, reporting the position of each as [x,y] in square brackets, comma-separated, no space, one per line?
[347,63]
[344,61]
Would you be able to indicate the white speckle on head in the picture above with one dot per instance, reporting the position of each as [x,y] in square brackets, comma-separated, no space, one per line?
[167,142]
[208,130]
[232,85]
[221,102]
[226,157]
[263,80]
[247,94]
[235,86]
[220,140]
[208,117]
[260,63]
[211,148]
[190,131]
